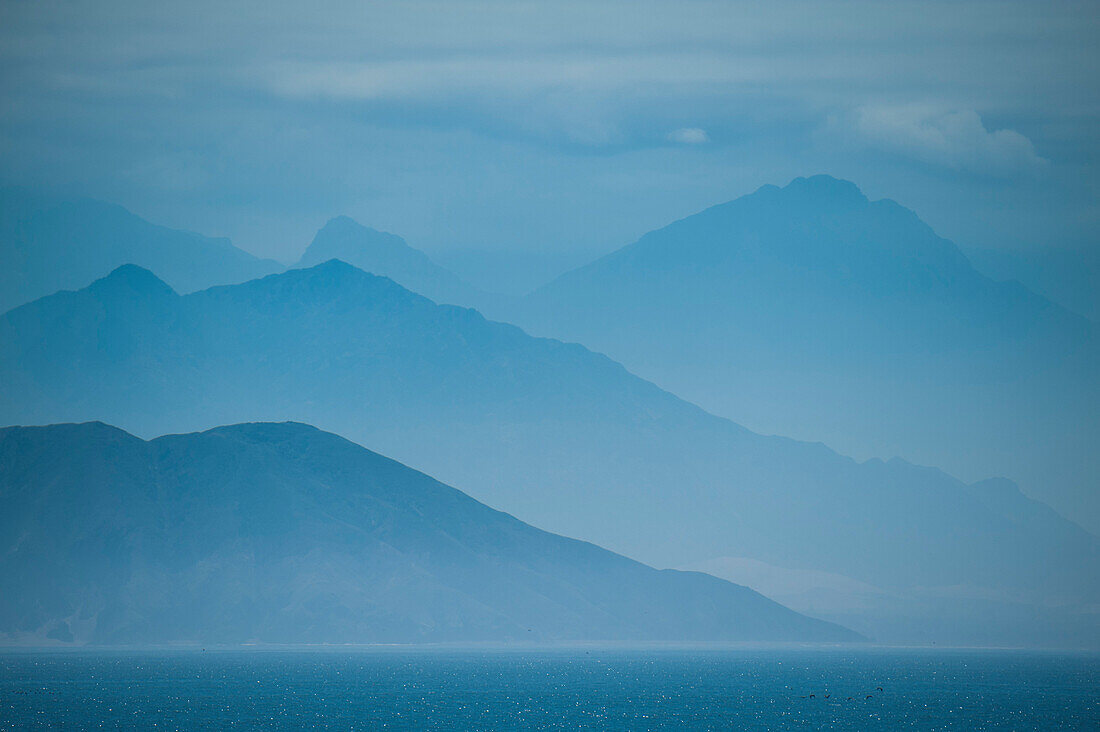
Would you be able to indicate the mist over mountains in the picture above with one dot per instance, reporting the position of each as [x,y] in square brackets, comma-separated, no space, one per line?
[614,343]
[813,312]
[550,432]
[49,243]
[1067,275]
[280,533]
[388,255]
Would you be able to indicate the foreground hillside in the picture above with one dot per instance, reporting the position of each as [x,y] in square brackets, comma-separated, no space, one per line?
[283,533]
[549,432]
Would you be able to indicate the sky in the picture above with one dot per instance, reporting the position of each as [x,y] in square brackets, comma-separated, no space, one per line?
[538,135]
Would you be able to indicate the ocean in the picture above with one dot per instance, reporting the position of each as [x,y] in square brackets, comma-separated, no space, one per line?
[598,687]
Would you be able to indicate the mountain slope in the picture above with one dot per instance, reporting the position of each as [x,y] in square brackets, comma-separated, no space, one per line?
[283,533]
[388,255]
[1067,276]
[50,244]
[813,312]
[549,432]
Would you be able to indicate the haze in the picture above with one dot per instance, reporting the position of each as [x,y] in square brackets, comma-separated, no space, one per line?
[512,321]
[582,126]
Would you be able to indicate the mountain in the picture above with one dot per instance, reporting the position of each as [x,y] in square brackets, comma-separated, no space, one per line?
[547,431]
[813,312]
[49,244]
[388,255]
[283,533]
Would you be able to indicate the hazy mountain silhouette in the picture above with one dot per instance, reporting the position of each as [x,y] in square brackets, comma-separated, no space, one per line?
[813,312]
[1068,276]
[49,244]
[388,255]
[550,432]
[284,533]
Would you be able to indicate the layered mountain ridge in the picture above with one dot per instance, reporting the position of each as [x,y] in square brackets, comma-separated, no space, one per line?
[814,312]
[48,243]
[281,533]
[550,432]
[388,255]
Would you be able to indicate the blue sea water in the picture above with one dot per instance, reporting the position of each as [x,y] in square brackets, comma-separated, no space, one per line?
[595,687]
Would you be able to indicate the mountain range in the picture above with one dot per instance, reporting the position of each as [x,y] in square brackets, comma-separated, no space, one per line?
[552,433]
[50,243]
[281,533]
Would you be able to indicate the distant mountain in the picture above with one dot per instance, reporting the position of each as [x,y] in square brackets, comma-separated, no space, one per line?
[813,312]
[282,533]
[550,432]
[49,244]
[388,255]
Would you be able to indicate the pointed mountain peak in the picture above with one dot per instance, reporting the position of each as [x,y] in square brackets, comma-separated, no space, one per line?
[131,279]
[332,267]
[332,279]
[347,239]
[386,255]
[347,225]
[332,271]
[342,226]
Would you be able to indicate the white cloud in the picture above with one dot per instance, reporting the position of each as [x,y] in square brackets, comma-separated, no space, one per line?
[689,136]
[955,139]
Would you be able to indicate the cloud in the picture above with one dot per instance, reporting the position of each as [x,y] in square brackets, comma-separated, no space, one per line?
[689,136]
[260,120]
[955,139]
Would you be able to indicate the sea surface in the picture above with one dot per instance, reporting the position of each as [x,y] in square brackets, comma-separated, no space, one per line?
[593,687]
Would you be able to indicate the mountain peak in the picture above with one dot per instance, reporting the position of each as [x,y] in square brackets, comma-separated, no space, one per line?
[343,226]
[346,224]
[826,187]
[344,238]
[268,431]
[50,243]
[131,279]
[386,255]
[86,430]
[329,281]
[334,265]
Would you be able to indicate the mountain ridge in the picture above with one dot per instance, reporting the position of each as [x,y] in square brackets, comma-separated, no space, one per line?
[851,324]
[50,243]
[284,533]
[547,431]
[388,255]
